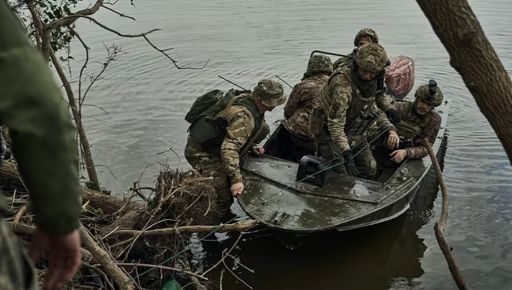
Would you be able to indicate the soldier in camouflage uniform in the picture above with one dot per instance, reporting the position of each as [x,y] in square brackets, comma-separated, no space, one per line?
[383,101]
[418,122]
[244,126]
[347,109]
[363,36]
[299,107]
[42,135]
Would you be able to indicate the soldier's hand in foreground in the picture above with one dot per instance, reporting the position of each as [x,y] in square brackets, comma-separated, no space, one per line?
[237,189]
[350,165]
[393,140]
[393,116]
[258,150]
[398,156]
[63,256]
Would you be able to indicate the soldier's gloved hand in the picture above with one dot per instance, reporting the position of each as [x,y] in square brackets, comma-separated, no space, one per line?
[393,116]
[350,165]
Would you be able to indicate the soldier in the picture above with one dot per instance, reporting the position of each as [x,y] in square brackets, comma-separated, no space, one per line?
[419,122]
[383,101]
[363,36]
[299,107]
[347,109]
[43,143]
[243,126]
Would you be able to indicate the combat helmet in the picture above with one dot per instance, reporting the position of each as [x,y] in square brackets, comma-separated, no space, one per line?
[319,64]
[430,93]
[371,57]
[366,32]
[270,93]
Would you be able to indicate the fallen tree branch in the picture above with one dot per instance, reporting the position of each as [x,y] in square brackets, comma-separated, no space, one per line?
[440,226]
[109,204]
[239,226]
[111,267]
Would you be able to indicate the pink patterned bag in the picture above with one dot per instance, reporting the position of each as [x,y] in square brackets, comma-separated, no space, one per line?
[400,76]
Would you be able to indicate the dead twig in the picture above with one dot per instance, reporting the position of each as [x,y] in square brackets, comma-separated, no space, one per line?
[20,213]
[165,268]
[118,13]
[221,278]
[233,273]
[224,255]
[237,261]
[440,226]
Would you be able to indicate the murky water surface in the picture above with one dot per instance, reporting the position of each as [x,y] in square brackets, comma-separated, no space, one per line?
[146,99]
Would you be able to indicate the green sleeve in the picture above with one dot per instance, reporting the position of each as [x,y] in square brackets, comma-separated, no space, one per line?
[42,134]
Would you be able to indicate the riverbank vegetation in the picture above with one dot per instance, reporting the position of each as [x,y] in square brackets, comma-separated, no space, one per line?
[142,241]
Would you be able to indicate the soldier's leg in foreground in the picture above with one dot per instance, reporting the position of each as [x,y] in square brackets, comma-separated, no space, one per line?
[301,147]
[366,163]
[325,150]
[15,270]
[211,166]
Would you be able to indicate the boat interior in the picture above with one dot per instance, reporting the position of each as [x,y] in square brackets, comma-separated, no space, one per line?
[279,145]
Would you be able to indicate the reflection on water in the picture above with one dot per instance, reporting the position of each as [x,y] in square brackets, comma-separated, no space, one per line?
[146,99]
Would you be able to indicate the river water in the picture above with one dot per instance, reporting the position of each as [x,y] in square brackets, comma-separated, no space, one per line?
[144,99]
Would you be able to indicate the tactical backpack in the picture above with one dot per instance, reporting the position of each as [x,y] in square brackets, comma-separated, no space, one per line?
[202,104]
[206,128]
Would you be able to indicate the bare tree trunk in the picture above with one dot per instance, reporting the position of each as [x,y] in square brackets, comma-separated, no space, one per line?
[476,61]
[86,147]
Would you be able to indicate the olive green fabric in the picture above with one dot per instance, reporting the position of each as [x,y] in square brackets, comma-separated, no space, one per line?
[42,134]
[15,268]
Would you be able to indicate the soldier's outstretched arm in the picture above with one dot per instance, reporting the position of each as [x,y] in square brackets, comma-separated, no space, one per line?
[239,130]
[42,134]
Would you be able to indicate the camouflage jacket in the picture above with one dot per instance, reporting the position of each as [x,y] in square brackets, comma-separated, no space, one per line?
[383,101]
[344,61]
[299,107]
[42,134]
[412,129]
[240,127]
[346,111]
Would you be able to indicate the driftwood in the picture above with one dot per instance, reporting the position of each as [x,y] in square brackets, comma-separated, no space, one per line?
[440,226]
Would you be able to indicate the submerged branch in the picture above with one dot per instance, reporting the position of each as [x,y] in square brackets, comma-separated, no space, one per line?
[440,226]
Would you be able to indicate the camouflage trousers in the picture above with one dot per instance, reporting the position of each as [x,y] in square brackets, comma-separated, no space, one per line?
[364,160]
[210,165]
[16,273]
